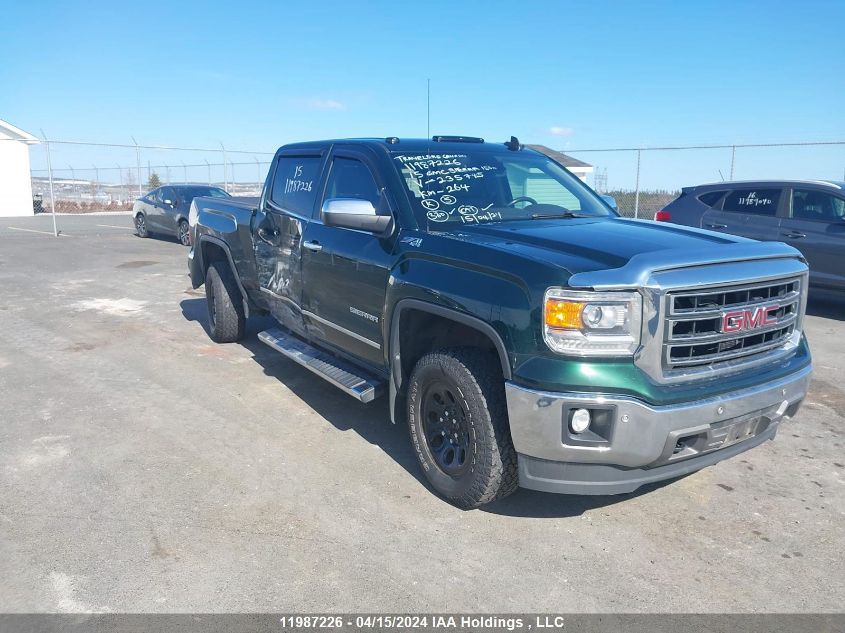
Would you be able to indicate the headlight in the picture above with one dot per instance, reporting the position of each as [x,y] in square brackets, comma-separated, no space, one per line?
[193,214]
[584,323]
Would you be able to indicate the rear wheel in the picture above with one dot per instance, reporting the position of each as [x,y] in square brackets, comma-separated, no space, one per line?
[459,426]
[141,229]
[184,233]
[226,318]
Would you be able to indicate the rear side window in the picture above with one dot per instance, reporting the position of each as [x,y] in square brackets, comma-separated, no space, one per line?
[295,183]
[711,198]
[757,201]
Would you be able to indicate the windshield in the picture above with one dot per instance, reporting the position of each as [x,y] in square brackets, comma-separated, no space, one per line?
[189,193]
[481,186]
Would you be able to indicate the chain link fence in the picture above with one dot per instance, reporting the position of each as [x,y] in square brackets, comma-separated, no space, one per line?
[84,177]
[645,179]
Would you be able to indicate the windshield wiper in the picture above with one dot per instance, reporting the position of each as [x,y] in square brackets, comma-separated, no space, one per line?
[554,216]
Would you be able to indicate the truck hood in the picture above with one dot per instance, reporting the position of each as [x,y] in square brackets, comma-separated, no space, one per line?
[589,244]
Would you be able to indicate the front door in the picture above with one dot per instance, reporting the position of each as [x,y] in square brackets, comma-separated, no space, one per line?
[278,228]
[167,210]
[154,210]
[345,271]
[816,227]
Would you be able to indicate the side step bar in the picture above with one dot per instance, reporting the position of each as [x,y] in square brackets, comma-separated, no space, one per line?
[341,374]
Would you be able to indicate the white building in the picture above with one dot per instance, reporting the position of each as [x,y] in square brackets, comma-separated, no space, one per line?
[15,185]
[577,167]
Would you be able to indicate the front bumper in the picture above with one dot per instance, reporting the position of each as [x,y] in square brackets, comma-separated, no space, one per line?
[636,443]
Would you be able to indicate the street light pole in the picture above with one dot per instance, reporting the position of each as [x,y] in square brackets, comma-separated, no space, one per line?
[225,175]
[120,175]
[50,177]
[138,161]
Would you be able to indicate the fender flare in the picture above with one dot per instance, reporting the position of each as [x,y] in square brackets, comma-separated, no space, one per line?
[463,318]
[218,242]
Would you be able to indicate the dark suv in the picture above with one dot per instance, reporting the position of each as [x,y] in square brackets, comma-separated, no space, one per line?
[807,214]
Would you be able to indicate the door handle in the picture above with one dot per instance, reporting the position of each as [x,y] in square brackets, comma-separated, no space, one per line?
[794,234]
[313,246]
[716,225]
[268,236]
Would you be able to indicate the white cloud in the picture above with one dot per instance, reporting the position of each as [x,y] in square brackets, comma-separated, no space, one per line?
[325,104]
[557,130]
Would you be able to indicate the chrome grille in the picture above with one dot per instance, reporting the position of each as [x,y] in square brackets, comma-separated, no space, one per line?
[716,325]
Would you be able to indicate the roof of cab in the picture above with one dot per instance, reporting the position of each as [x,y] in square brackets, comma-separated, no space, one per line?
[395,144]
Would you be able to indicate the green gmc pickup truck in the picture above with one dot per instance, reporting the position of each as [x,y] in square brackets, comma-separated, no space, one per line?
[527,334]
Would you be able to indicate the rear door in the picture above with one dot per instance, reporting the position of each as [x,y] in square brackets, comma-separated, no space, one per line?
[749,212]
[345,271]
[816,226]
[278,227]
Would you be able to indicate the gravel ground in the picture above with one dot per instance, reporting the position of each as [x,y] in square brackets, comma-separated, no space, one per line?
[146,469]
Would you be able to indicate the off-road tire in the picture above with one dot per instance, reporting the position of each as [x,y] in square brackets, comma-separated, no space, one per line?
[141,229]
[491,471]
[225,306]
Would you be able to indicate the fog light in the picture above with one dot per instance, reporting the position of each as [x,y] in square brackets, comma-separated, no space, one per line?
[580,421]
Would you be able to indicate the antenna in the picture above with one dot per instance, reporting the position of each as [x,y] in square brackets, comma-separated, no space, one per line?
[720,175]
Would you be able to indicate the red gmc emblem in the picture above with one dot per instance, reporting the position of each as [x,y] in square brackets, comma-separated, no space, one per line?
[749,319]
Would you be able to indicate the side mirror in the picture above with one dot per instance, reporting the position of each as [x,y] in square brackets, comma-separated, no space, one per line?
[611,202]
[352,213]
[169,203]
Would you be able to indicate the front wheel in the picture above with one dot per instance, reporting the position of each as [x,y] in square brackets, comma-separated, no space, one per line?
[226,318]
[184,233]
[459,427]
[141,229]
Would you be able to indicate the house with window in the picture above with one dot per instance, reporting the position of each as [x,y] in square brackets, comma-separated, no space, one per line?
[15,184]
[577,167]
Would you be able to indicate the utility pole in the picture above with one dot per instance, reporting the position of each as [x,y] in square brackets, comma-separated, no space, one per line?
[207,164]
[184,170]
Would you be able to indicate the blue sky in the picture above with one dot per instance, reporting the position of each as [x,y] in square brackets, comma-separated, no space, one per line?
[256,75]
